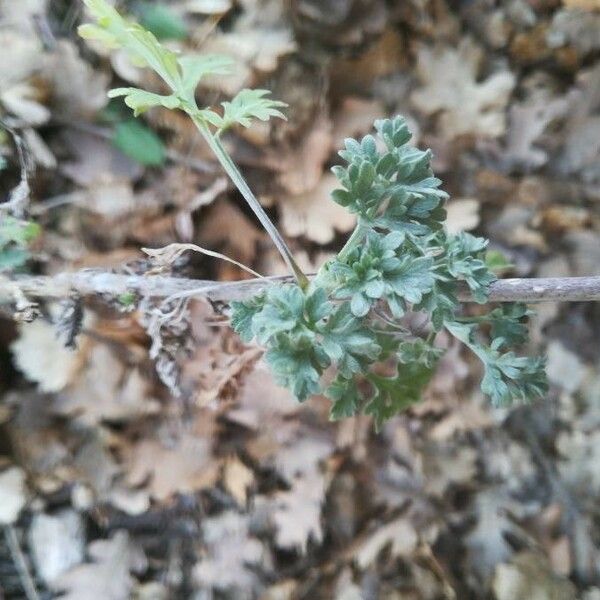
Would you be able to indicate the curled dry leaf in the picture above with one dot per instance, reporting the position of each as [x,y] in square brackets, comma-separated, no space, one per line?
[450,86]
[400,534]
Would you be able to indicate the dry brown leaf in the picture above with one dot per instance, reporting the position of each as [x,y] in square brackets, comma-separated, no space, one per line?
[227,229]
[581,149]
[13,494]
[529,577]
[444,465]
[107,391]
[296,513]
[57,543]
[486,543]
[451,87]
[43,358]
[314,214]
[258,39]
[354,118]
[527,122]
[462,215]
[108,575]
[237,478]
[78,90]
[183,464]
[400,534]
[583,4]
[302,163]
[231,552]
[261,403]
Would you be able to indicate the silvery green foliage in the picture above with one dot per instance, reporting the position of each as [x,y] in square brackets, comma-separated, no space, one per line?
[399,259]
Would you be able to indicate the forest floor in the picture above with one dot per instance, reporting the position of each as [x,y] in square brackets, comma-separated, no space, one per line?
[193,475]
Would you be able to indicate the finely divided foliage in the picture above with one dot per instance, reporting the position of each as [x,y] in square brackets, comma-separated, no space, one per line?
[399,260]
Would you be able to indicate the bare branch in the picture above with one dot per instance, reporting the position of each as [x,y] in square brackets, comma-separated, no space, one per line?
[92,282]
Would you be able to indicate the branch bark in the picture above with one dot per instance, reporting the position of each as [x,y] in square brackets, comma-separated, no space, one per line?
[92,282]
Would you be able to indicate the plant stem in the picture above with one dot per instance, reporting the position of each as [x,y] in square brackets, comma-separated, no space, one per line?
[238,179]
[357,236]
[90,282]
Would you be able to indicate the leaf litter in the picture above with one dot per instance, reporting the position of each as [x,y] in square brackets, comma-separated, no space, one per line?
[220,484]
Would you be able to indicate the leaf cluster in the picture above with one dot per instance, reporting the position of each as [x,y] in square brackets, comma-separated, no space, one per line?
[181,74]
[344,335]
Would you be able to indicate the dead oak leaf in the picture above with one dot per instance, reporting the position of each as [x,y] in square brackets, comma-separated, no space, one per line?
[450,87]
[527,122]
[314,214]
[108,575]
[183,465]
[231,551]
[296,513]
[400,535]
[303,162]
[581,151]
[354,118]
[529,576]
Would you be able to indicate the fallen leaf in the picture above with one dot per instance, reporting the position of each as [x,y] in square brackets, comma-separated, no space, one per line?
[354,118]
[529,577]
[43,358]
[302,164]
[107,576]
[13,494]
[451,87]
[57,543]
[314,214]
[182,465]
[399,534]
[237,478]
[462,215]
[231,552]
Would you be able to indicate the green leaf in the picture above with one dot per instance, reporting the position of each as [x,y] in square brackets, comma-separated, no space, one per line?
[163,22]
[497,262]
[18,231]
[347,342]
[12,258]
[139,142]
[508,324]
[297,363]
[283,311]
[141,101]
[464,259]
[194,67]
[395,394]
[345,397]
[242,314]
[507,377]
[248,105]
[141,45]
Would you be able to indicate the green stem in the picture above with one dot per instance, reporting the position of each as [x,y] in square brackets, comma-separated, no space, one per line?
[354,240]
[234,173]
